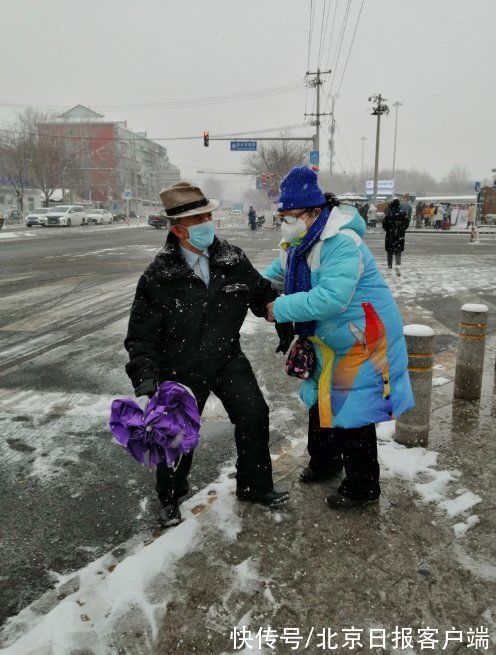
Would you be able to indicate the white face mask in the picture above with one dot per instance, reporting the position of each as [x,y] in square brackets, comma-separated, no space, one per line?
[293,230]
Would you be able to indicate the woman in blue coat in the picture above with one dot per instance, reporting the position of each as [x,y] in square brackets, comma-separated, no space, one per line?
[338,300]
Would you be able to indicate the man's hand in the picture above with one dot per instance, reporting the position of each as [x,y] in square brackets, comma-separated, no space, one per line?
[270,312]
[286,334]
[146,388]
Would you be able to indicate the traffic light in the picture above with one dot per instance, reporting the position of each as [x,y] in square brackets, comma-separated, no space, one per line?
[205,139]
[314,168]
[264,180]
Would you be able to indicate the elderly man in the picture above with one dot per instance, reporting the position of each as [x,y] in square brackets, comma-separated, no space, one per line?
[189,306]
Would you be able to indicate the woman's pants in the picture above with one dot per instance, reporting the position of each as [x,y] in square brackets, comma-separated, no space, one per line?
[397,258]
[354,448]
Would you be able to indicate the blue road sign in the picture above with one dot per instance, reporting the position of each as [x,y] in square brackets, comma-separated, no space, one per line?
[244,145]
[259,182]
[314,157]
[477,187]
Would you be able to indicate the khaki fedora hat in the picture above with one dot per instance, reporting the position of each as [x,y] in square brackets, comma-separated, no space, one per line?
[183,199]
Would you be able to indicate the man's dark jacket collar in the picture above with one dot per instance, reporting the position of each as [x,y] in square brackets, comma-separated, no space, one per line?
[170,262]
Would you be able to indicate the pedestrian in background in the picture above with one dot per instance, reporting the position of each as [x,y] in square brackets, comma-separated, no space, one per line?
[252,218]
[395,223]
[346,315]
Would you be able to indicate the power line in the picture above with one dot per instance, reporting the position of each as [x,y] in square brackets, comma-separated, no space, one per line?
[190,102]
[324,5]
[332,34]
[340,45]
[351,45]
[77,138]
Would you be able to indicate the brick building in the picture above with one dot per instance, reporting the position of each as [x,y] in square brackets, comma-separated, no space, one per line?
[113,158]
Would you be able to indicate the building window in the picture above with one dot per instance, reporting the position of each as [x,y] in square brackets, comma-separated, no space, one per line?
[31,204]
[2,200]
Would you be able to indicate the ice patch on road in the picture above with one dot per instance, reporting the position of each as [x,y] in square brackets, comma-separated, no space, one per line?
[440,381]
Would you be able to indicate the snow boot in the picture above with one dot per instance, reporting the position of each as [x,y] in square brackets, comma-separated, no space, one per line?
[340,502]
[308,475]
[169,515]
[398,270]
[273,498]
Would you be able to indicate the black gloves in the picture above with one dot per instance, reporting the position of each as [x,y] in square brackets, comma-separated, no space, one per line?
[146,388]
[286,334]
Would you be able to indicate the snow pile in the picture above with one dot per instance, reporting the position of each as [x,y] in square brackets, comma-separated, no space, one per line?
[110,594]
[440,381]
[416,330]
[475,308]
[462,528]
[413,463]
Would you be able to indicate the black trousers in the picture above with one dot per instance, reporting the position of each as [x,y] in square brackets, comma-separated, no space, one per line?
[397,258]
[237,388]
[353,448]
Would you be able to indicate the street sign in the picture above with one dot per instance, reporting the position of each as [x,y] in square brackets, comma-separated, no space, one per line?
[384,187]
[477,187]
[272,193]
[314,157]
[127,195]
[245,146]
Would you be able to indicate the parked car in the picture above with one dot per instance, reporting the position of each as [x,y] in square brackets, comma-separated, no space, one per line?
[37,217]
[99,216]
[158,221]
[66,215]
[12,215]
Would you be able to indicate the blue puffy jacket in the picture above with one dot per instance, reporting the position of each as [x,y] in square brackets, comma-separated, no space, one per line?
[361,375]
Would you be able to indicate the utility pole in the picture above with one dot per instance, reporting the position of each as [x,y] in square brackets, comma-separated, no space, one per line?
[379,107]
[363,139]
[315,79]
[332,129]
[396,105]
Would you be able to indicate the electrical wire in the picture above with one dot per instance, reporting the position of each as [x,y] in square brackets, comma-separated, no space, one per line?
[328,57]
[351,46]
[190,102]
[324,6]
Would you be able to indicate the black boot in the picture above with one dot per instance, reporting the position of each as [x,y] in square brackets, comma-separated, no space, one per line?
[272,498]
[308,475]
[340,502]
[169,515]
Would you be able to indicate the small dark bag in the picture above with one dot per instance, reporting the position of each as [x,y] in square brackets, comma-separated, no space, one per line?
[301,359]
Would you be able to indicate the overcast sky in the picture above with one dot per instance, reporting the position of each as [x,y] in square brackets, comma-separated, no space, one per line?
[437,57]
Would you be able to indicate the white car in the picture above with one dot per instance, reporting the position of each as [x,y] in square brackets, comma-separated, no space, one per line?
[99,216]
[66,215]
[36,217]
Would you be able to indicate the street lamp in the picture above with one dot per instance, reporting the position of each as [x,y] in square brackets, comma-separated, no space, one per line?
[396,105]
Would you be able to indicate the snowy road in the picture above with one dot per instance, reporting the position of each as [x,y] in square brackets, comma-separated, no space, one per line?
[65,298]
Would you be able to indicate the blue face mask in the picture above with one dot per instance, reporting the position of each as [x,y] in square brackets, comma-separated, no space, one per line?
[201,236]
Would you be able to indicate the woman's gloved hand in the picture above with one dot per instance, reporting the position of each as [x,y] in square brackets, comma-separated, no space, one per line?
[286,334]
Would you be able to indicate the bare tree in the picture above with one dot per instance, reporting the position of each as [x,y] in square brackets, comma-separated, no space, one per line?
[15,159]
[275,157]
[54,160]
[458,180]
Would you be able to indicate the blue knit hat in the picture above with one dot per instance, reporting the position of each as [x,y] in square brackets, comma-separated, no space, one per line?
[300,190]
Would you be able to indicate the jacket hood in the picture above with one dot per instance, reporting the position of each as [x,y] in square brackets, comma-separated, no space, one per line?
[344,217]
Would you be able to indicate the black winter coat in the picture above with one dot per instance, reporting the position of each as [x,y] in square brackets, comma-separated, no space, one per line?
[395,224]
[181,330]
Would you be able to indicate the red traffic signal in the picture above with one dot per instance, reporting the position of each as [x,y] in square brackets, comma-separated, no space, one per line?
[264,180]
[314,168]
[205,139]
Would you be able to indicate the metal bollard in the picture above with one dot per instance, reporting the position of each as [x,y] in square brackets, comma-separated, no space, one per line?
[412,428]
[471,347]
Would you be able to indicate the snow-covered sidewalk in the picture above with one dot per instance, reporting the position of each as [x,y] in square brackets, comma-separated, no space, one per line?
[415,561]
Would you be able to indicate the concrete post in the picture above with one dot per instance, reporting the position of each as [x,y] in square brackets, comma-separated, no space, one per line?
[412,428]
[471,347]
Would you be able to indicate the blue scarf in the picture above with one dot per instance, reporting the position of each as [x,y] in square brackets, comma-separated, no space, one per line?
[297,276]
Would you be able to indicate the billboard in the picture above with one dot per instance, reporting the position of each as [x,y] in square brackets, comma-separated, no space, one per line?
[384,187]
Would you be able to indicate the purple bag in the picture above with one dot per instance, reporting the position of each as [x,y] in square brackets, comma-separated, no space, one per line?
[301,359]
[167,428]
